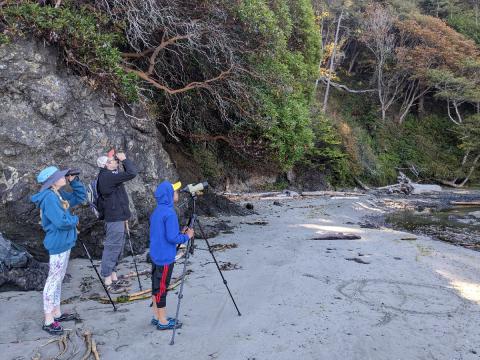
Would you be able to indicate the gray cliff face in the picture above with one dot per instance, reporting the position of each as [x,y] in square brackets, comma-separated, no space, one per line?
[50,117]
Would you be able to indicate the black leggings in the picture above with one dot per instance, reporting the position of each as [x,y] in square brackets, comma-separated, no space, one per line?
[161,275]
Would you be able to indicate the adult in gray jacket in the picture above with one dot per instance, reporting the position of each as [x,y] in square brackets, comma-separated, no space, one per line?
[113,204]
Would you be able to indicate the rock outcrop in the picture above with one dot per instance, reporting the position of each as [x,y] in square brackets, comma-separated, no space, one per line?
[52,117]
[18,269]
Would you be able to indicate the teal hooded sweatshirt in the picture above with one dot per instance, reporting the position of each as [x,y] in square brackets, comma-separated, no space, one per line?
[59,224]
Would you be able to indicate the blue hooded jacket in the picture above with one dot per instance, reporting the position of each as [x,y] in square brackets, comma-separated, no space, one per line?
[59,224]
[164,228]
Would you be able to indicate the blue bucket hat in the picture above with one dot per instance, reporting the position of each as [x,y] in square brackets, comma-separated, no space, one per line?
[49,176]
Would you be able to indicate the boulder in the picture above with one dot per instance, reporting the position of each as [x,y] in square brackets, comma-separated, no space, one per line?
[18,269]
[52,117]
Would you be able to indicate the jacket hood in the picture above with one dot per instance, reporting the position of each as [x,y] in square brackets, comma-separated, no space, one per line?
[39,197]
[164,194]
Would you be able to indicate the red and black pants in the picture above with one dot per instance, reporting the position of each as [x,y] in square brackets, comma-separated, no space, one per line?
[161,275]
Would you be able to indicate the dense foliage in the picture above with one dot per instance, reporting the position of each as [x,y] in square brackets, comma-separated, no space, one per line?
[416,67]
[246,80]
[90,45]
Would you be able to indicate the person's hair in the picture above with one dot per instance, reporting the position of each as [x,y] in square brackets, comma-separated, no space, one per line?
[65,203]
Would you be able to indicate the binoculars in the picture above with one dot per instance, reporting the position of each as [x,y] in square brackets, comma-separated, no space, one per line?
[72,172]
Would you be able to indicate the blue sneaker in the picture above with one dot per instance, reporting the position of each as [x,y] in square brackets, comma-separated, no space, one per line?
[154,321]
[169,326]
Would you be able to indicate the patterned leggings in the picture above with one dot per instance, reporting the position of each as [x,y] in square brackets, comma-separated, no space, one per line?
[53,285]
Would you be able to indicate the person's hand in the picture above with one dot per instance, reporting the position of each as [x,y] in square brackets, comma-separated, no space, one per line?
[184,229]
[70,177]
[190,233]
[121,156]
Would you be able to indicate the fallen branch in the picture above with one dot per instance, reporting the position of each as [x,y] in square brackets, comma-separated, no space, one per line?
[358,260]
[134,274]
[408,187]
[336,236]
[223,247]
[88,341]
[449,183]
[94,350]
[62,345]
[253,195]
[361,184]
[331,193]
[140,295]
[465,203]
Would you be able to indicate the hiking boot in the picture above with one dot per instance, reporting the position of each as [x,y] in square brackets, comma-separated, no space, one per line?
[122,282]
[54,328]
[169,326]
[116,289]
[66,317]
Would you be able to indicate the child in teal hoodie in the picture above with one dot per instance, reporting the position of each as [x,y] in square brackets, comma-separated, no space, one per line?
[165,235]
[60,227]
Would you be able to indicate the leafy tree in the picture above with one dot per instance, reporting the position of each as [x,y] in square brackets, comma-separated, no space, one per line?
[378,35]
[437,8]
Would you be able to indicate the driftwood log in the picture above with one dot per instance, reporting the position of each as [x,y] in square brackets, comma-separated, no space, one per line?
[406,186]
[465,203]
[336,236]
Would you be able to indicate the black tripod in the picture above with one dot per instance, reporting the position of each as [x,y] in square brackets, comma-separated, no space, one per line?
[99,277]
[189,250]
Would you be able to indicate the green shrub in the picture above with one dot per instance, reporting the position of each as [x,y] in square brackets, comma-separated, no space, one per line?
[90,44]
[465,24]
[288,65]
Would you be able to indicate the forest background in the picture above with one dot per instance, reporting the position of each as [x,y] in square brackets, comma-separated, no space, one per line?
[348,92]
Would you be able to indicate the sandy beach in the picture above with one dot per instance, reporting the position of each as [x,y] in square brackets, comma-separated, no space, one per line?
[388,295]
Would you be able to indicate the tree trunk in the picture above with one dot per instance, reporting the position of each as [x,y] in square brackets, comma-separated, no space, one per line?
[332,61]
[476,12]
[380,90]
[450,115]
[352,62]
[457,111]
[421,106]
[472,169]
[470,172]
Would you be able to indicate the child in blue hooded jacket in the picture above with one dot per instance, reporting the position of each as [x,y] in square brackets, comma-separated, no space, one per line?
[60,227]
[165,235]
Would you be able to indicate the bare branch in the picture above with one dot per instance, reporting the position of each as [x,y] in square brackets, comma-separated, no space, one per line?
[344,87]
[450,115]
[190,86]
[163,45]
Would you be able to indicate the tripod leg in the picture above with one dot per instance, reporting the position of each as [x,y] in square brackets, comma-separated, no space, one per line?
[180,292]
[99,277]
[133,254]
[216,263]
